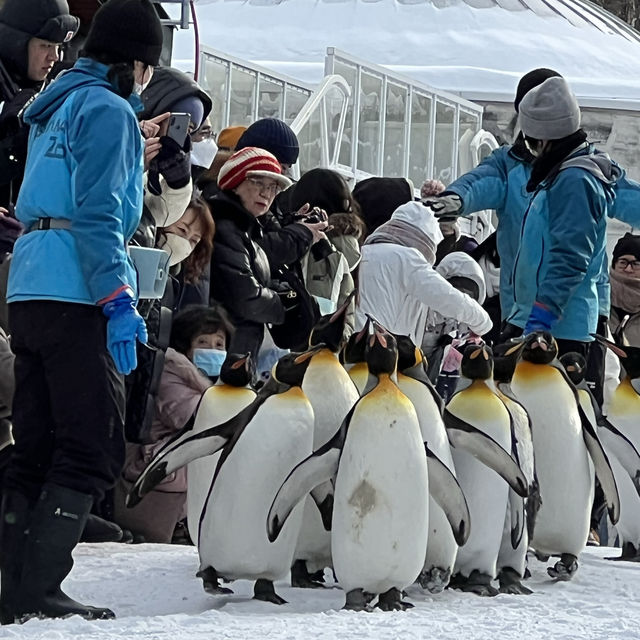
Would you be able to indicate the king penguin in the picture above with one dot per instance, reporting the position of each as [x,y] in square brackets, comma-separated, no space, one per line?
[228,397]
[479,427]
[521,512]
[567,449]
[259,445]
[332,394]
[353,357]
[380,517]
[415,384]
[620,435]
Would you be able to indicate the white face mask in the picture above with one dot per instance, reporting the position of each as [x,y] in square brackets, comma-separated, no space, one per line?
[138,88]
[176,246]
[203,152]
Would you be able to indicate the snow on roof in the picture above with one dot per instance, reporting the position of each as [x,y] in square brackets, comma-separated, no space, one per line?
[477,48]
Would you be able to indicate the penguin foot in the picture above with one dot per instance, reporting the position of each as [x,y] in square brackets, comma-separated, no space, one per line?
[210,582]
[509,580]
[392,601]
[302,579]
[358,600]
[630,553]
[263,590]
[542,557]
[478,583]
[435,579]
[565,568]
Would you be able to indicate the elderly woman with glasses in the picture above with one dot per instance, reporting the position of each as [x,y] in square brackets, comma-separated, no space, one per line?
[624,320]
[240,274]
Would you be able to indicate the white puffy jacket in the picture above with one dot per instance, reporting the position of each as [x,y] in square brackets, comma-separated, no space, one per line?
[399,288]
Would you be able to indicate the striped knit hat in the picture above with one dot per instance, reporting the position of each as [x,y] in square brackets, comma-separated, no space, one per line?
[251,161]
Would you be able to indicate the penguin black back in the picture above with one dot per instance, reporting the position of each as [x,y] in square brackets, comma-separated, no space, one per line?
[382,352]
[477,362]
[505,359]
[329,330]
[355,348]
[409,355]
[539,347]
[290,369]
[237,369]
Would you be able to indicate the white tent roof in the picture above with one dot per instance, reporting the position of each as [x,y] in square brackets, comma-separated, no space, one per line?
[477,48]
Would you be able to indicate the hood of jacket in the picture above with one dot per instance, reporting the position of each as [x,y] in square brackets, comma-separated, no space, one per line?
[420,217]
[597,163]
[463,265]
[85,73]
[168,86]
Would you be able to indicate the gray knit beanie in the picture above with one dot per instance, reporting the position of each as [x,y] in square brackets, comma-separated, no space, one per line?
[550,111]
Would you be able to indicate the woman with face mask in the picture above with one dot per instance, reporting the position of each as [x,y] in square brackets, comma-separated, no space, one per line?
[199,337]
[72,296]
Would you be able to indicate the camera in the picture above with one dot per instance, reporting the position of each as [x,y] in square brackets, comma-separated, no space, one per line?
[314,216]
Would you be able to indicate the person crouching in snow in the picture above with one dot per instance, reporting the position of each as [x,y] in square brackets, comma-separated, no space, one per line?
[398,285]
[72,295]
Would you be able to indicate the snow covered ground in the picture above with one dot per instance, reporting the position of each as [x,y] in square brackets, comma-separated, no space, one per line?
[154,592]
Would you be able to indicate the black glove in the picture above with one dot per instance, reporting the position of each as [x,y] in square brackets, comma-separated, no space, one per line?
[173,163]
[10,230]
[445,207]
[289,299]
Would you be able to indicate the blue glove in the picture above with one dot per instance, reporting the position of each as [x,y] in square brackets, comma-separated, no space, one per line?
[125,325]
[540,319]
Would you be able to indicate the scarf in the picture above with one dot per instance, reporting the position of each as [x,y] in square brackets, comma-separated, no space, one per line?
[625,292]
[406,235]
[551,160]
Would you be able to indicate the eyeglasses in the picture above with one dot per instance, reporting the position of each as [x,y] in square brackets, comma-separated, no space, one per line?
[268,187]
[623,263]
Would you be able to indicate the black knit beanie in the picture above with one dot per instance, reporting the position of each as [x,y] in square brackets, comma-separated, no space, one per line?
[274,136]
[380,197]
[627,245]
[127,30]
[531,80]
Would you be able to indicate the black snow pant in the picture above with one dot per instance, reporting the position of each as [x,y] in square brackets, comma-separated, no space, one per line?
[68,408]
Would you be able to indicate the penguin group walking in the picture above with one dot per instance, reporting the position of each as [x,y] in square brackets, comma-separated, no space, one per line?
[347,459]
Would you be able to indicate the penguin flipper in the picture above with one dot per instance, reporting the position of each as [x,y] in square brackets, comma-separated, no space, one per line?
[517,513]
[446,491]
[323,497]
[187,446]
[602,466]
[464,436]
[623,449]
[306,476]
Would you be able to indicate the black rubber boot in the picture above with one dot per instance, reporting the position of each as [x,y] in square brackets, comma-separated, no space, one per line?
[97,529]
[57,520]
[14,521]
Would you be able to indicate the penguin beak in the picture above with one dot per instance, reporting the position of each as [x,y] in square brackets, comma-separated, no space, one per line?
[540,343]
[611,345]
[306,355]
[342,310]
[242,362]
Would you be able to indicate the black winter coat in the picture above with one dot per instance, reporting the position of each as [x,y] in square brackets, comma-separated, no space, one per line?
[240,273]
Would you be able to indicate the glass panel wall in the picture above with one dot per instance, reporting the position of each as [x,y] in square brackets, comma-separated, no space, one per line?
[270,98]
[419,138]
[443,167]
[369,123]
[214,82]
[295,100]
[350,74]
[395,130]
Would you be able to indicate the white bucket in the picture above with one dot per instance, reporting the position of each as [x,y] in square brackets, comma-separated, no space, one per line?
[152,266]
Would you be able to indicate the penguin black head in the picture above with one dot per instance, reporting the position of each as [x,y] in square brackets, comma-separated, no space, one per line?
[382,351]
[290,369]
[629,356]
[354,351]
[238,369]
[505,358]
[477,362]
[409,355]
[575,365]
[539,347]
[329,330]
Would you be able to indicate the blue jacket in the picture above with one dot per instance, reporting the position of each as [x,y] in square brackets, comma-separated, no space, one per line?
[85,165]
[499,182]
[563,243]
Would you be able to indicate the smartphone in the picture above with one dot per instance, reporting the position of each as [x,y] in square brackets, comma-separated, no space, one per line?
[178,127]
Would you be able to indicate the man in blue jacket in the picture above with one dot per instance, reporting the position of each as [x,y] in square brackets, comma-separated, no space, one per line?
[72,295]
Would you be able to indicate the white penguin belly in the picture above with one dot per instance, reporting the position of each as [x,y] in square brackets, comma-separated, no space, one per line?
[219,404]
[441,545]
[332,394]
[486,492]
[564,468]
[380,517]
[233,535]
